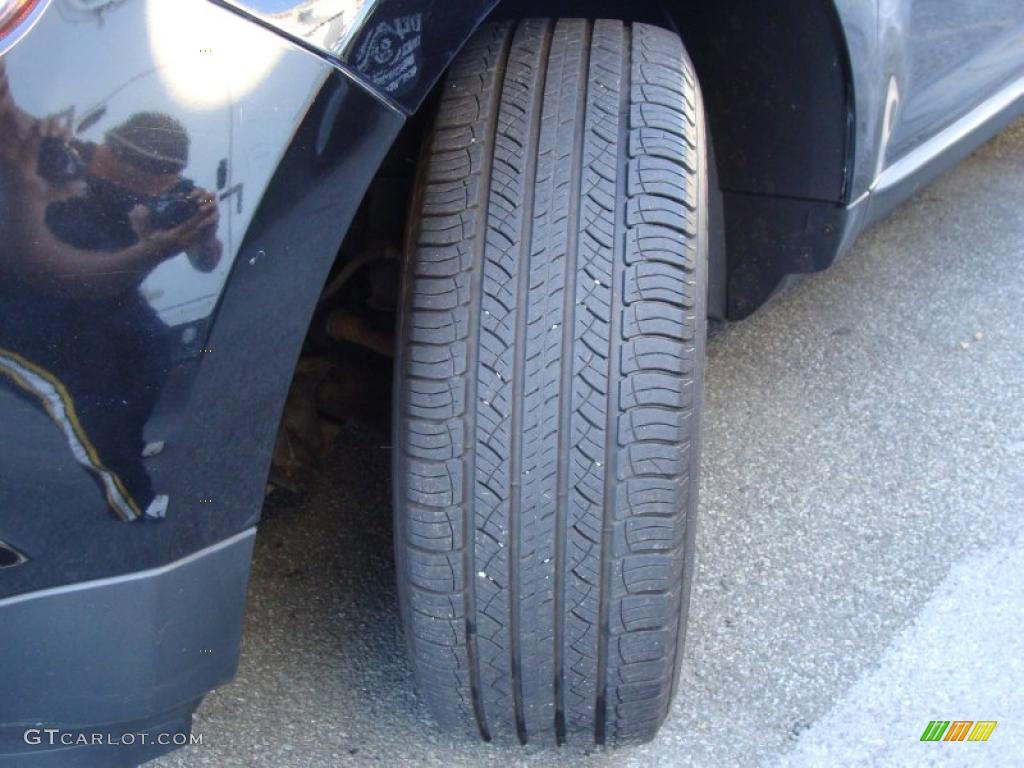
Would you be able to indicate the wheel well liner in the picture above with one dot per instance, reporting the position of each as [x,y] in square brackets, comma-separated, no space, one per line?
[778,91]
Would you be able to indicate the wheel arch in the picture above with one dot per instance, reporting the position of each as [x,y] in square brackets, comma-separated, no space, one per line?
[779,92]
[778,86]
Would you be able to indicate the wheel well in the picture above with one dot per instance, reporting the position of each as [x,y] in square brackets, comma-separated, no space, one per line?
[776,83]
[779,105]
[778,96]
[778,99]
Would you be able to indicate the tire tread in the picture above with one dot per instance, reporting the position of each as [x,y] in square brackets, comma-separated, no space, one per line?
[548,383]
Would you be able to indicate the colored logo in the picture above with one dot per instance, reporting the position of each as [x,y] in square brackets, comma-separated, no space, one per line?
[958,730]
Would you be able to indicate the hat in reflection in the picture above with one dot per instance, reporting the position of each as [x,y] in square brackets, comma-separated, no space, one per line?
[151,141]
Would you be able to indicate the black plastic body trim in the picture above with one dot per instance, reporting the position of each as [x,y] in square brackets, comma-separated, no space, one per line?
[127,654]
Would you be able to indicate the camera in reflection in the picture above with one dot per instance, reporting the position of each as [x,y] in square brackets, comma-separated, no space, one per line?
[60,162]
[173,207]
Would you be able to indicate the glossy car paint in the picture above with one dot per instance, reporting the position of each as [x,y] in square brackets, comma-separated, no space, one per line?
[399,48]
[285,130]
[228,339]
[112,610]
[933,80]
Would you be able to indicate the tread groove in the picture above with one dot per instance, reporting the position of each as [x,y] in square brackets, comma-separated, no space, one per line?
[469,560]
[612,407]
[565,385]
[518,385]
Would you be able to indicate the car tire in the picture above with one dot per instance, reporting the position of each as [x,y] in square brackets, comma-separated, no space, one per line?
[548,383]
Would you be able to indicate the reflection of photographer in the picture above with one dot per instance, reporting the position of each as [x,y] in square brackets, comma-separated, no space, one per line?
[88,220]
[81,226]
[133,192]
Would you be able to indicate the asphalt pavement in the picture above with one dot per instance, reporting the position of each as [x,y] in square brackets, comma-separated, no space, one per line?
[861,548]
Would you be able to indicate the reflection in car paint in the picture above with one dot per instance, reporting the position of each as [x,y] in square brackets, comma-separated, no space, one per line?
[89,222]
[10,557]
[121,211]
[206,59]
[325,24]
[17,20]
